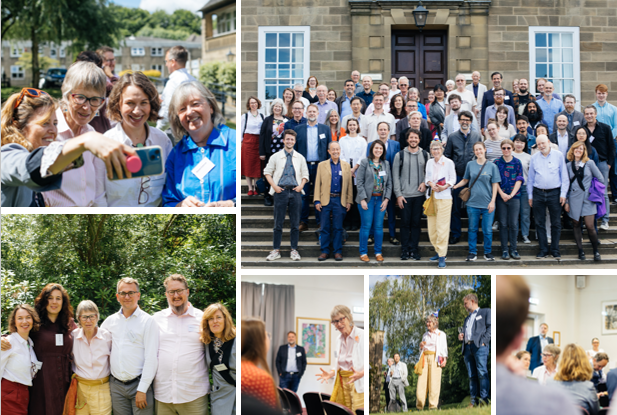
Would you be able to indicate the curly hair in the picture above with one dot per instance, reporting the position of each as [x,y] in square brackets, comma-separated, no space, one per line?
[574,365]
[15,120]
[66,312]
[36,321]
[137,79]
[229,332]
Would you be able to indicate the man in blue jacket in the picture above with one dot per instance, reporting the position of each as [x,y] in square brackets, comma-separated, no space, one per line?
[290,363]
[476,338]
[536,344]
[312,142]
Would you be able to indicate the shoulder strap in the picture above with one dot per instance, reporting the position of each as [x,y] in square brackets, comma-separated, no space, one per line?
[401,156]
[479,173]
[246,121]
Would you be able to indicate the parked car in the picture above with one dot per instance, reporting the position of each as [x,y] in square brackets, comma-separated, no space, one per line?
[54,78]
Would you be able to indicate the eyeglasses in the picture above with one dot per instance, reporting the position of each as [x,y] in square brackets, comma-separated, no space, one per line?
[81,100]
[31,92]
[91,317]
[506,148]
[335,322]
[129,293]
[144,196]
[174,292]
[110,60]
[547,355]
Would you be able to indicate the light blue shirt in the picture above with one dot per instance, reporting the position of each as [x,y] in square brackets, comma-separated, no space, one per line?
[549,110]
[323,110]
[470,320]
[607,115]
[292,365]
[345,107]
[312,143]
[548,173]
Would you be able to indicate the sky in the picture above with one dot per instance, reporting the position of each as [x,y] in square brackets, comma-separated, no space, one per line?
[168,6]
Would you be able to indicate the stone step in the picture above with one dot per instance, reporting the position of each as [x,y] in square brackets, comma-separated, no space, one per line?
[452,262]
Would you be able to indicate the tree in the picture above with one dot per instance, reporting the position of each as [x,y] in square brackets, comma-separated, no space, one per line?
[25,61]
[186,19]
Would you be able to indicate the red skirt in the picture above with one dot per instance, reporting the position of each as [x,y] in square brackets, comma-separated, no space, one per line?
[251,164]
[14,398]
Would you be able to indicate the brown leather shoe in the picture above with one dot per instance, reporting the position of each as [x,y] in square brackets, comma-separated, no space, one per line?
[364,258]
[379,257]
[303,227]
[338,257]
[323,257]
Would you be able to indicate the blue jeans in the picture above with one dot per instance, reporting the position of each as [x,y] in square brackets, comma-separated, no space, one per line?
[372,221]
[487,229]
[290,381]
[307,197]
[476,360]
[338,215]
[603,166]
[525,211]
[457,209]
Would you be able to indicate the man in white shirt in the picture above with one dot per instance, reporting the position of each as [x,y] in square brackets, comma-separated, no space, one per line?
[175,61]
[468,101]
[368,124]
[398,380]
[561,136]
[383,90]
[181,384]
[135,344]
[477,89]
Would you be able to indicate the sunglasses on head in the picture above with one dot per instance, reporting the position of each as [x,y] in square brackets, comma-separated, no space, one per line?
[31,92]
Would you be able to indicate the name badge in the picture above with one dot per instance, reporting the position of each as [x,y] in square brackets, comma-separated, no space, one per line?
[479,318]
[340,172]
[59,339]
[322,135]
[193,328]
[220,368]
[354,182]
[299,354]
[202,168]
[382,173]
[591,138]
[577,123]
[489,150]
[506,98]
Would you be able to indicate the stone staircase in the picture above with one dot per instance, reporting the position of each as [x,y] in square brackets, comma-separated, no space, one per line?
[257,223]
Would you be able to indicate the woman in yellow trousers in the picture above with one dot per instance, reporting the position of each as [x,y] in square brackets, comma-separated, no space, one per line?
[434,348]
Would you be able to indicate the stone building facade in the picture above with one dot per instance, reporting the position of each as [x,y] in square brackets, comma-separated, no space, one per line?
[218,30]
[515,37]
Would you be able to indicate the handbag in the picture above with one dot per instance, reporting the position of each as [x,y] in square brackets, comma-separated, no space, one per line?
[262,186]
[466,192]
[429,205]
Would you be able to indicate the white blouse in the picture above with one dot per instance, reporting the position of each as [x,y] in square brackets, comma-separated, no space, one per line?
[353,148]
[543,375]
[253,125]
[125,193]
[17,363]
[438,170]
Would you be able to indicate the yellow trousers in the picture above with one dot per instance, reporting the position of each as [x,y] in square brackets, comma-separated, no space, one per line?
[345,393]
[97,396]
[429,379]
[439,226]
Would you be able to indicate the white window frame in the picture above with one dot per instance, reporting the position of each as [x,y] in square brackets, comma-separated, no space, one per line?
[139,51]
[225,16]
[261,57]
[20,72]
[16,52]
[157,68]
[155,52]
[53,53]
[576,55]
[62,52]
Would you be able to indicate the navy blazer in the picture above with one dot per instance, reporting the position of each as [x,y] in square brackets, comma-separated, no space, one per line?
[481,329]
[281,359]
[611,383]
[302,140]
[534,347]
[393,148]
[488,99]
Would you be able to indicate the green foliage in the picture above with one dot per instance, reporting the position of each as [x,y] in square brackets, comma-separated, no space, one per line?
[179,34]
[7,92]
[25,61]
[87,254]
[455,409]
[140,22]
[218,73]
[227,73]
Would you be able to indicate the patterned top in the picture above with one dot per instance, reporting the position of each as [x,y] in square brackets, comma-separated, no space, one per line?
[510,173]
[377,179]
[258,383]
[278,127]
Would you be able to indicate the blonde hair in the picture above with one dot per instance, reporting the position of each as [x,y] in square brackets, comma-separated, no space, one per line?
[15,120]
[576,145]
[184,92]
[574,365]
[127,280]
[229,332]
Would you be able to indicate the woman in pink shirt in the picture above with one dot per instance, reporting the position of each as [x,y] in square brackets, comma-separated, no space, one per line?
[349,365]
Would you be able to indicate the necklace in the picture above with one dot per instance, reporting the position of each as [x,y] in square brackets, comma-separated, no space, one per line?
[218,348]
[256,115]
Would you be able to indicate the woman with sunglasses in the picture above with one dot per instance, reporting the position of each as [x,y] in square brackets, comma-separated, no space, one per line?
[509,199]
[33,161]
[19,365]
[349,365]
[133,102]
[83,92]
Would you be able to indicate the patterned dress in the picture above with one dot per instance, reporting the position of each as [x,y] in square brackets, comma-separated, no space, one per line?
[278,127]
[258,383]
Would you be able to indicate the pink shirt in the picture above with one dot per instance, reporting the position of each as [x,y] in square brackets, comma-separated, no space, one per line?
[430,341]
[345,360]
[84,186]
[182,375]
[91,360]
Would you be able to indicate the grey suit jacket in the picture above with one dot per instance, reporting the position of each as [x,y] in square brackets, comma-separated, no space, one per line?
[223,395]
[481,91]
[576,116]
[365,181]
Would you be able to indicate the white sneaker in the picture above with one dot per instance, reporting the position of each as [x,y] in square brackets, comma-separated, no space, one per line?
[549,240]
[295,256]
[604,226]
[495,226]
[275,254]
[526,240]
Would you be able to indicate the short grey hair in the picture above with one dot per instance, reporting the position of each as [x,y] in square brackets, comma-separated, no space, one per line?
[403,78]
[184,92]
[344,310]
[85,306]
[300,85]
[472,297]
[334,142]
[278,101]
[415,112]
[84,75]
[450,82]
[569,96]
[433,320]
[414,89]
[127,280]
[436,144]
[179,54]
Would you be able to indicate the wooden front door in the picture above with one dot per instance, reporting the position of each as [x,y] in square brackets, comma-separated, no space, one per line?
[421,57]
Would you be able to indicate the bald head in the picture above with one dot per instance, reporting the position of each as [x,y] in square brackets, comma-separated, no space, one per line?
[548,89]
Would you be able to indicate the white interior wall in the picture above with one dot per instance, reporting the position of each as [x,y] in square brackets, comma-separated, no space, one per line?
[576,313]
[316,296]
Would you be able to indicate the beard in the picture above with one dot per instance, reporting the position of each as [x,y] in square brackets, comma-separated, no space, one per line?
[179,310]
[534,116]
[522,90]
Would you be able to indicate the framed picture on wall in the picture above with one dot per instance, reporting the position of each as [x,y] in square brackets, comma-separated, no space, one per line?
[609,317]
[314,336]
[557,338]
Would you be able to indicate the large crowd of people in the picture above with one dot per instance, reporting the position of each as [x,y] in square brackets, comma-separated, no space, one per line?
[55,362]
[66,153]
[506,158]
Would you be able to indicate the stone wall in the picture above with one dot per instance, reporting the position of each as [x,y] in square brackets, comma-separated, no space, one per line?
[330,37]
[508,36]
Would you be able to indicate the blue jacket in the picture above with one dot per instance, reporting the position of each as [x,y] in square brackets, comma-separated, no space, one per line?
[302,140]
[534,347]
[281,359]
[481,329]
[393,148]
[220,182]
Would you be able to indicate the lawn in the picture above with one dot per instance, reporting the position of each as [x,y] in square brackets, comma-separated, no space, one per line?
[453,410]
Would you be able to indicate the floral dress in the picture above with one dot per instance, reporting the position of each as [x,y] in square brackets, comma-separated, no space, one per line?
[278,127]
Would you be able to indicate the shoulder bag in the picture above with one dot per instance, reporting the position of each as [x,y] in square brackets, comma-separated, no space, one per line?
[466,192]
